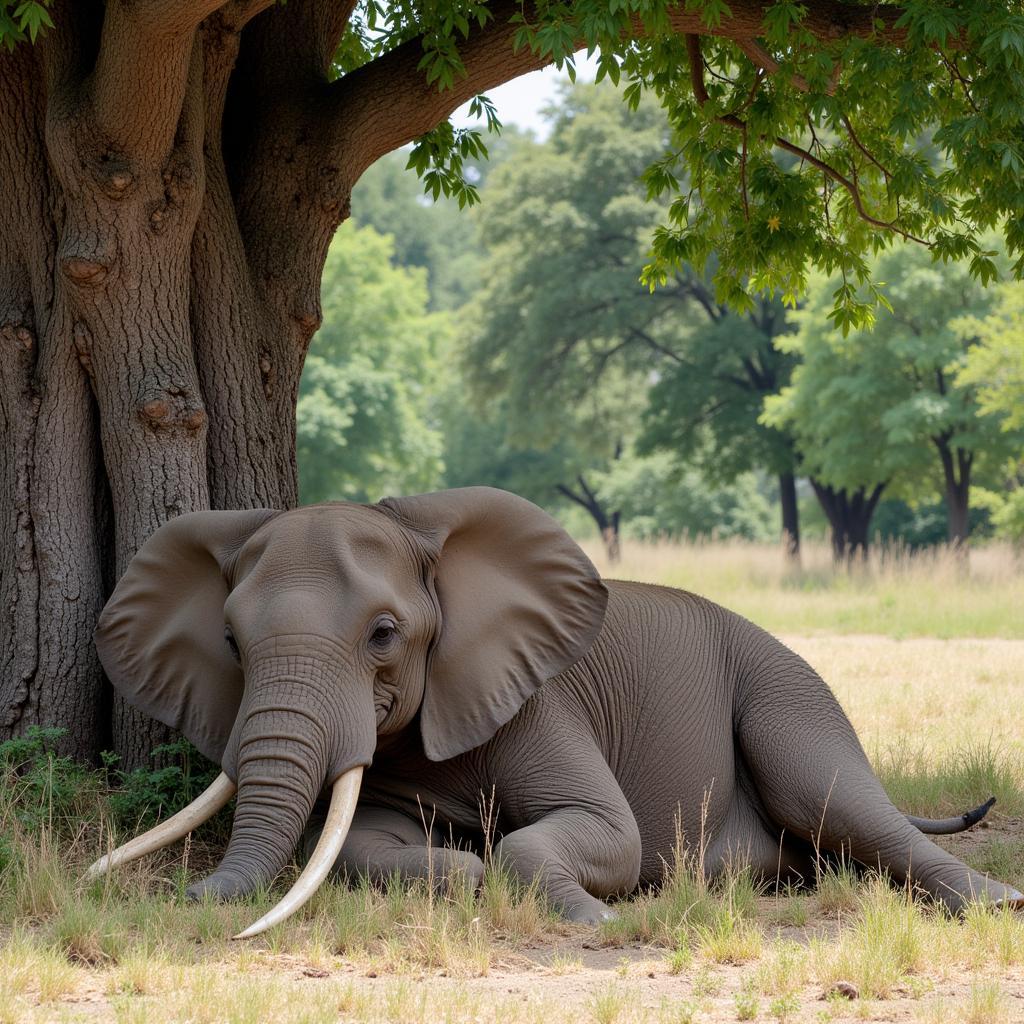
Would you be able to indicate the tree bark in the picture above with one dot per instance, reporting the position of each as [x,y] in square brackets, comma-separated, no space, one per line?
[128,313]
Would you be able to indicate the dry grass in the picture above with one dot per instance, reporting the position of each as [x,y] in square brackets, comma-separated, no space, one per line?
[933,715]
[897,594]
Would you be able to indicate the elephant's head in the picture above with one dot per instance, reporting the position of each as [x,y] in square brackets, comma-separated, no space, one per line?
[288,645]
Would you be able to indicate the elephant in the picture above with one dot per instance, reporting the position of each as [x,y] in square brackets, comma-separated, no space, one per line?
[408,656]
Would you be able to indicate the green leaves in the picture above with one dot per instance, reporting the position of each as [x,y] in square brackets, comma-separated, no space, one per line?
[366,422]
[811,153]
[873,406]
[439,157]
[21,19]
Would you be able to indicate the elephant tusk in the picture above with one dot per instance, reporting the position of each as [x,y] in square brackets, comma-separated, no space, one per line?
[344,795]
[204,807]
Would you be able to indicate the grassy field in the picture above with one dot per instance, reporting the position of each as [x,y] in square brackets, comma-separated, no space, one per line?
[897,594]
[938,712]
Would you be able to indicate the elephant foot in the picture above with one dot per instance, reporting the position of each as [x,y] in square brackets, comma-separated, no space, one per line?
[592,912]
[985,892]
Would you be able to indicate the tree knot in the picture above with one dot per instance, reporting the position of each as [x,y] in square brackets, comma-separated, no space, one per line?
[114,176]
[87,273]
[88,255]
[179,179]
[309,322]
[19,335]
[174,408]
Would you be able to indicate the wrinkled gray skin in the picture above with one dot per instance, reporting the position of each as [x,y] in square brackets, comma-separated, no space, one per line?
[668,708]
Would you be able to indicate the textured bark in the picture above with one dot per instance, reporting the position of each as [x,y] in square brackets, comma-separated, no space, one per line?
[172,175]
[108,260]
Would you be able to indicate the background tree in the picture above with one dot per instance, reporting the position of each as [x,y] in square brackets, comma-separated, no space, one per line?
[433,235]
[553,453]
[367,418]
[567,228]
[994,368]
[176,171]
[887,405]
[661,496]
[707,406]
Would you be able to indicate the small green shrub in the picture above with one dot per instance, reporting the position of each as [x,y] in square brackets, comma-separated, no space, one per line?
[145,795]
[40,787]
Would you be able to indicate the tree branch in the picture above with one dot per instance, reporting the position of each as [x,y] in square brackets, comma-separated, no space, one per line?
[701,95]
[644,338]
[860,145]
[388,103]
[139,81]
[312,144]
[292,47]
[851,187]
[763,59]
[589,503]
[694,288]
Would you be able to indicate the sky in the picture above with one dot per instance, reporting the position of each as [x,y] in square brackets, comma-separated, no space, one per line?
[521,101]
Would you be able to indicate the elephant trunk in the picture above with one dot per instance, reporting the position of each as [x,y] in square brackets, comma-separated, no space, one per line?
[278,780]
[300,727]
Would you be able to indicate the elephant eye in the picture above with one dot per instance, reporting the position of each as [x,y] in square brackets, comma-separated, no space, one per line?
[232,643]
[384,633]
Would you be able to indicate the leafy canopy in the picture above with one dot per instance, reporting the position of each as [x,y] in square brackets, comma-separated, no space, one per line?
[787,152]
[795,147]
[994,368]
[995,360]
[564,347]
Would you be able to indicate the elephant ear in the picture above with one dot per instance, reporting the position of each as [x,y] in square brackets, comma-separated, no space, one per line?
[520,602]
[161,634]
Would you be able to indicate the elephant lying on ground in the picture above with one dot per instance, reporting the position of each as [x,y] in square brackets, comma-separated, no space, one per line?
[463,643]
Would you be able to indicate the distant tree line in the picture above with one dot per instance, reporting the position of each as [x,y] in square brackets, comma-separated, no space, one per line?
[518,347]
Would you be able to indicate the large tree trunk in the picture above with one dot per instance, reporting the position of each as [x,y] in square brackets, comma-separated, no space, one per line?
[849,514]
[144,371]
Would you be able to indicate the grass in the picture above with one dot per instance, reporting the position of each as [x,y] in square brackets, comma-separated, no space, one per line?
[937,717]
[897,594]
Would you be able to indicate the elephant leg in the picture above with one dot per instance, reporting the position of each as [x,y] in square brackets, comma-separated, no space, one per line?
[581,841]
[749,838]
[383,843]
[815,781]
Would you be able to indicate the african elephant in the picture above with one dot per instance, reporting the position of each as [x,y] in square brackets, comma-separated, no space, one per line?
[458,642]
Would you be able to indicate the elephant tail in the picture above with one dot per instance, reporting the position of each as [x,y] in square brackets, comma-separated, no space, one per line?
[946,826]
